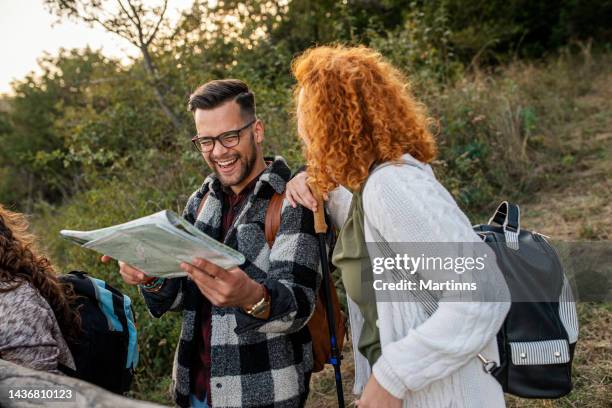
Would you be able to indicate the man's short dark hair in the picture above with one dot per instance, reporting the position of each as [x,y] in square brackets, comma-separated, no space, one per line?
[217,92]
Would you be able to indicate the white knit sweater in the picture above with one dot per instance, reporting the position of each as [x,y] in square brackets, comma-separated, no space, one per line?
[426,361]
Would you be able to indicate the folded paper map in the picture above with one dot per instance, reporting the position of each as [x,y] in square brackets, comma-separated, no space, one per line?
[156,244]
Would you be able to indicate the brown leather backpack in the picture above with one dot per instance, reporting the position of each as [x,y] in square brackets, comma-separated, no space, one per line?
[317,325]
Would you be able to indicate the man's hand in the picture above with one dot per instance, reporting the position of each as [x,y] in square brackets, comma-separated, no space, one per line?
[374,395]
[224,288]
[130,275]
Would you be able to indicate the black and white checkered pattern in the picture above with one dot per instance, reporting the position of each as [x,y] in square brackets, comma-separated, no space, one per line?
[255,363]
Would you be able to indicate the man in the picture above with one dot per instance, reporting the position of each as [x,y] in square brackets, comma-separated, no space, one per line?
[243,342]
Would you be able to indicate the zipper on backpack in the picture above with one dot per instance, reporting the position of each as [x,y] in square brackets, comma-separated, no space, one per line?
[540,234]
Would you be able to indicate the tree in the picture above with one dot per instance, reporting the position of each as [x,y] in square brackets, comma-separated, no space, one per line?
[40,126]
[131,20]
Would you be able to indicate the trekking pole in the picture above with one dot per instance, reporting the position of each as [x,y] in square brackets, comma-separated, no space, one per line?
[321,230]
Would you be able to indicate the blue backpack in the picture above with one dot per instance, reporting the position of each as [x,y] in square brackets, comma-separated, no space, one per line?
[106,353]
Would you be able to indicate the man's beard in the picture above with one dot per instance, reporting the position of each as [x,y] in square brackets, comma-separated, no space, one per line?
[246,163]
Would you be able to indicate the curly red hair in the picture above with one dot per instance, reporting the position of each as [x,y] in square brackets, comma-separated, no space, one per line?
[357,110]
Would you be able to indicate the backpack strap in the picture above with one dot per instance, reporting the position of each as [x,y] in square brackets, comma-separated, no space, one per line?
[508,216]
[202,204]
[273,216]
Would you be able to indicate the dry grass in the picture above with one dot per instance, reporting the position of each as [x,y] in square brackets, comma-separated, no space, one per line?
[577,203]
[323,386]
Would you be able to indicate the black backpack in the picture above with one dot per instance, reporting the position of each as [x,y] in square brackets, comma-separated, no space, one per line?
[106,353]
[537,339]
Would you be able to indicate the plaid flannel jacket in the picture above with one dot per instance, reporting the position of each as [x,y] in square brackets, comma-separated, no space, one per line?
[255,363]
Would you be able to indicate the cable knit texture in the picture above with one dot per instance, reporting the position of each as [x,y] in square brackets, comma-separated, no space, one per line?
[428,361]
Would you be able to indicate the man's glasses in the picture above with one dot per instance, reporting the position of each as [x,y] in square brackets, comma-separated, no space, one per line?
[227,139]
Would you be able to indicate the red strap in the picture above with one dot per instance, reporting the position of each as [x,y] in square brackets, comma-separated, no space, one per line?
[273,217]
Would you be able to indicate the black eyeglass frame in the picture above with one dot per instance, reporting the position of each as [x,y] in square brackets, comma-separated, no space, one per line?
[196,140]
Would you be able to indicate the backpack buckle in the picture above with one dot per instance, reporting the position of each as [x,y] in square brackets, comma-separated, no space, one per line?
[487,365]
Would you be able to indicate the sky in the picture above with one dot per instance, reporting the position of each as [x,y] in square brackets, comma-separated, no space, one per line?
[27,30]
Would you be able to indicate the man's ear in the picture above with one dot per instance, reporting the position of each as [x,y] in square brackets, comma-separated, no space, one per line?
[259,131]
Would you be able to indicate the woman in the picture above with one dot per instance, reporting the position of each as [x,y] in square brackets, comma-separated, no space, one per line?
[361,124]
[35,313]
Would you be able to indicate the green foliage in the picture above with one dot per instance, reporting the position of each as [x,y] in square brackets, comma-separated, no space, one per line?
[422,46]
[34,144]
[87,116]
[499,30]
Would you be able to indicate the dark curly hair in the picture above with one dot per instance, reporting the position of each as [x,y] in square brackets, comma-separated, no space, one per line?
[19,264]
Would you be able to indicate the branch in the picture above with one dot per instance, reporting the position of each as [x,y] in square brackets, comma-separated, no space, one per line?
[122,33]
[138,24]
[91,18]
[161,18]
[126,12]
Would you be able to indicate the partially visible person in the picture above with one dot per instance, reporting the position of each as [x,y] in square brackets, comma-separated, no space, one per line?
[35,313]
[364,132]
